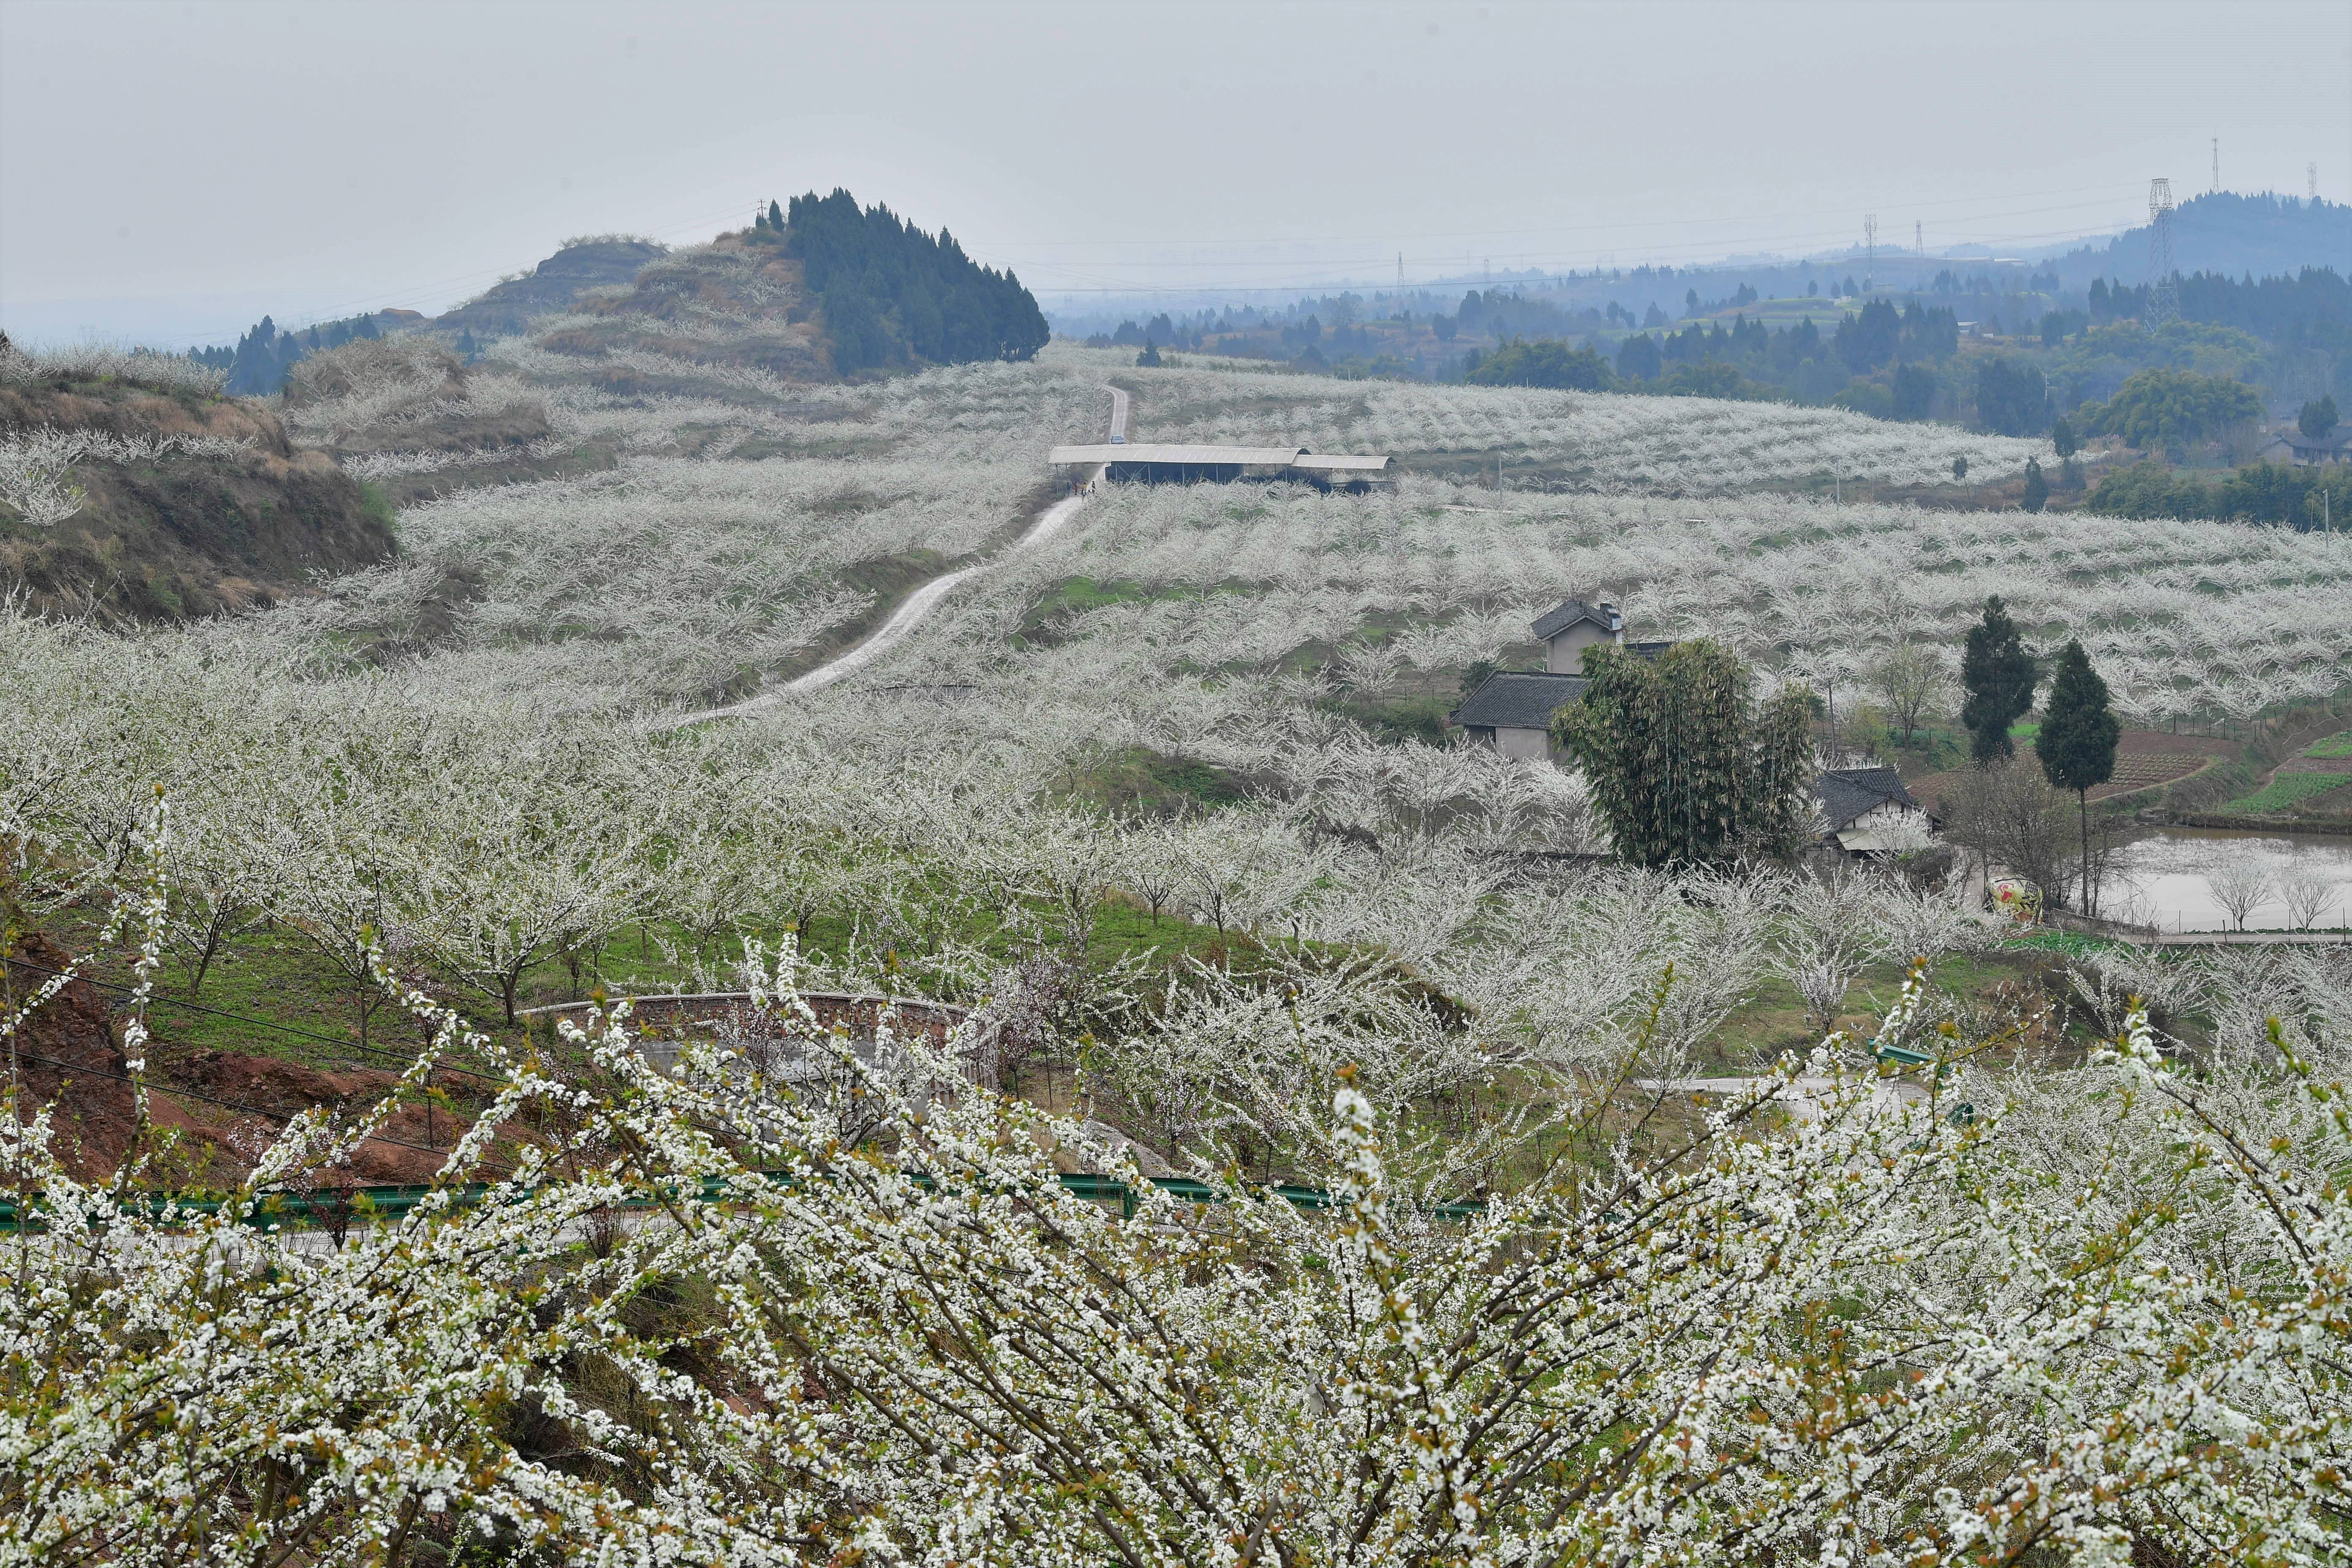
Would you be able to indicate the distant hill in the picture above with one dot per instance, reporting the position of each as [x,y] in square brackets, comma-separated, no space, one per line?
[604,261]
[831,290]
[133,489]
[2226,233]
[835,289]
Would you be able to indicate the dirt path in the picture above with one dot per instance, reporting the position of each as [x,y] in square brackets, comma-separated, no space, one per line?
[919,604]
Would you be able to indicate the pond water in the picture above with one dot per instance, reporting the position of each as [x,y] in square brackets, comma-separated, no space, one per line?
[2184,879]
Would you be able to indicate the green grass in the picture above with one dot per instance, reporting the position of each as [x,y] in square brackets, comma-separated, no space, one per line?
[269,994]
[2285,790]
[1773,1019]
[2333,746]
[1139,781]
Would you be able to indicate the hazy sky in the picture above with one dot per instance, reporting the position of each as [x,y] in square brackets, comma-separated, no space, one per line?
[189,162]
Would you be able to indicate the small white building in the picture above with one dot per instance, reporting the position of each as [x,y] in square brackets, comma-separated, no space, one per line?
[1512,709]
[1567,631]
[1866,811]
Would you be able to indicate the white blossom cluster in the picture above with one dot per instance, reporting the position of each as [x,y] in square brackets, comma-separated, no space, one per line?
[1603,441]
[2126,1291]
[2182,619]
[36,463]
[682,1320]
[108,361]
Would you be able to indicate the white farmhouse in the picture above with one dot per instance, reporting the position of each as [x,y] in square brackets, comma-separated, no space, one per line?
[1512,709]
[1866,811]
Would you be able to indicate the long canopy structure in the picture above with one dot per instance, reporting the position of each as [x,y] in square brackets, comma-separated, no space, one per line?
[1164,463]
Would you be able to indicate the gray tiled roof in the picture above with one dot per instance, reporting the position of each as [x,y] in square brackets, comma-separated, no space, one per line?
[1515,699]
[1571,611]
[1847,793]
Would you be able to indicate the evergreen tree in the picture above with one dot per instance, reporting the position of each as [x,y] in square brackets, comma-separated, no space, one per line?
[1687,767]
[2000,677]
[2078,741]
[2317,419]
[775,218]
[1150,356]
[1915,391]
[2037,488]
[2011,399]
[893,294]
[1961,466]
[2062,439]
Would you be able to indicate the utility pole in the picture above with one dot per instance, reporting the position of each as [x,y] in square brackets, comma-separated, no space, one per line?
[2163,294]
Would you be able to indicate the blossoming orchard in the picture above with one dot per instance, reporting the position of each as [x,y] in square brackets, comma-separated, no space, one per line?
[1108,1076]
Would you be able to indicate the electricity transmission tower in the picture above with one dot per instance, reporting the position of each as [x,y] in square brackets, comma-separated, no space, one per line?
[2217,165]
[1869,248]
[2311,173]
[2164,293]
[1918,254]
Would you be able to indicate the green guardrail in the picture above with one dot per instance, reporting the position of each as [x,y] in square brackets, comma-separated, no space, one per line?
[392,1203]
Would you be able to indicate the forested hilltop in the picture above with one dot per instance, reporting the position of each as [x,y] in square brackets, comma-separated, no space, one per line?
[896,296]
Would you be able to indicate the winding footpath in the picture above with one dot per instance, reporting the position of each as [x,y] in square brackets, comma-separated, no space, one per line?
[920,604]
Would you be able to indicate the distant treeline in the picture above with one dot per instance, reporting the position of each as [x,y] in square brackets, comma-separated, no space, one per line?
[2280,310]
[893,294]
[1746,360]
[258,365]
[2304,499]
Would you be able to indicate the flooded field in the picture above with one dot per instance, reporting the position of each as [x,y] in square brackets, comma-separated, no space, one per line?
[2191,879]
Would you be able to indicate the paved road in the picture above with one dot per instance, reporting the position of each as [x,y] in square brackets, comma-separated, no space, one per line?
[916,604]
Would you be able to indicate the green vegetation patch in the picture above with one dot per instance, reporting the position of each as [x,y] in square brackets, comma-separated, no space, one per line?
[2332,746]
[2284,790]
[1139,781]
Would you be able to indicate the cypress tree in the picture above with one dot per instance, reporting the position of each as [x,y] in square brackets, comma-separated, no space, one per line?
[2000,677]
[775,218]
[2078,741]
[2037,488]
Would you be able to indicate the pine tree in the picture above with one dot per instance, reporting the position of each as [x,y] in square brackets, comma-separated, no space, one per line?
[2077,740]
[2000,677]
[1686,768]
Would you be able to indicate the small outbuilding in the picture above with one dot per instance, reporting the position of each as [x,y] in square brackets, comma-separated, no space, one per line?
[1511,710]
[1573,627]
[1866,811]
[2292,446]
